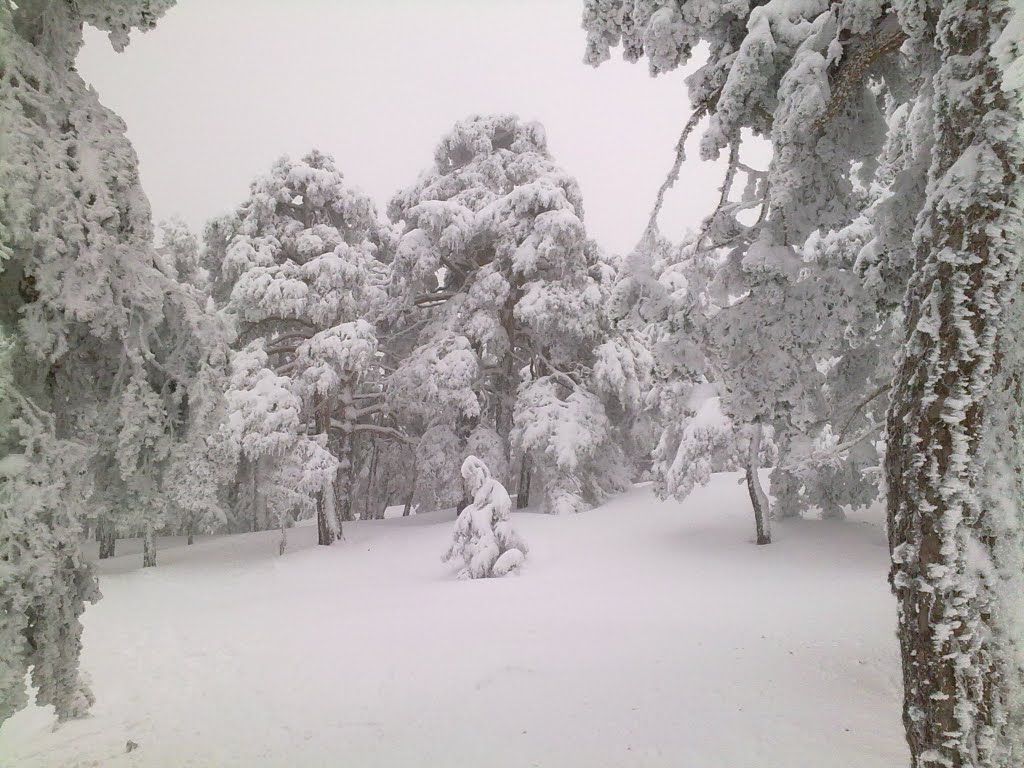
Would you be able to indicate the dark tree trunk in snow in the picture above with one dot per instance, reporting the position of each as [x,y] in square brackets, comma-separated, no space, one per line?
[954,511]
[525,474]
[328,525]
[107,536]
[407,509]
[148,548]
[371,478]
[343,483]
[758,498]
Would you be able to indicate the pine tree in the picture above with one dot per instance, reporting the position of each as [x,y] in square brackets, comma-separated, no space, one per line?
[764,306]
[936,87]
[507,289]
[300,260]
[484,541]
[81,302]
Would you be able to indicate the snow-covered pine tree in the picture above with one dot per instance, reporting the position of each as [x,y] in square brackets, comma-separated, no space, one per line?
[300,260]
[776,315]
[484,541]
[495,261]
[181,252]
[82,302]
[806,76]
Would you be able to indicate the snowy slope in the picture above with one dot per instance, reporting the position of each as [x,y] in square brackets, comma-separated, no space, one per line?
[641,633]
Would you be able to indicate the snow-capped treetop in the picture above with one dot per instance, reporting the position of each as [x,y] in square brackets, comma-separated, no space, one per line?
[301,247]
[479,482]
[494,257]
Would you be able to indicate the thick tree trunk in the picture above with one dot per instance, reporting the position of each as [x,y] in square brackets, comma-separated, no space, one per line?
[408,501]
[504,408]
[343,483]
[955,541]
[148,548]
[107,535]
[525,475]
[191,531]
[328,525]
[758,498]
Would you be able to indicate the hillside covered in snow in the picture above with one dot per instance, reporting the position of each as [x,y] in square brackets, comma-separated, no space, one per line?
[640,633]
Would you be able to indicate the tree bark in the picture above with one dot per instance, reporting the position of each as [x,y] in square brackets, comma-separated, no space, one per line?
[328,525]
[148,548]
[106,533]
[525,475]
[368,511]
[954,534]
[282,544]
[758,498]
[343,483]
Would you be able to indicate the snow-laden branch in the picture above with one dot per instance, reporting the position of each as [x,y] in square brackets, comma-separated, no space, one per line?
[832,454]
[430,299]
[381,430]
[673,175]
[369,409]
[886,37]
[862,405]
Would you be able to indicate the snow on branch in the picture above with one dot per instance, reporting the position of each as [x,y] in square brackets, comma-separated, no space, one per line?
[886,37]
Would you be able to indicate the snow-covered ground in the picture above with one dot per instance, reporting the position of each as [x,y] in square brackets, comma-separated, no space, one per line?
[641,633]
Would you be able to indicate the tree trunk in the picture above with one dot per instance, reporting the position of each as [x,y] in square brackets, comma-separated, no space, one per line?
[504,408]
[261,509]
[327,523]
[408,501]
[525,475]
[954,530]
[343,483]
[191,530]
[282,523]
[107,535]
[148,548]
[758,498]
[371,478]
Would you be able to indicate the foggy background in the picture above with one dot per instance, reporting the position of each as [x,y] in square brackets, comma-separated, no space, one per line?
[221,89]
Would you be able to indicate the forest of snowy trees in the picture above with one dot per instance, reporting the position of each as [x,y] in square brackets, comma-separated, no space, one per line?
[847,317]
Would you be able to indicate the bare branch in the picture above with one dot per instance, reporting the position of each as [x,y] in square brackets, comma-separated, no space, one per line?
[861,405]
[677,164]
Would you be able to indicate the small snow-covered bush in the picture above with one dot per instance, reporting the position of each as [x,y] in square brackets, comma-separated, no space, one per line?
[483,539]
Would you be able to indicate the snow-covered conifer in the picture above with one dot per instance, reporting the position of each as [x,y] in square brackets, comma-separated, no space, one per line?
[495,261]
[81,300]
[484,542]
[304,284]
[931,89]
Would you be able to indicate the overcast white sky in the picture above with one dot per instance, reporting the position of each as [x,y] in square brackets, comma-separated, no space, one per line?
[222,87]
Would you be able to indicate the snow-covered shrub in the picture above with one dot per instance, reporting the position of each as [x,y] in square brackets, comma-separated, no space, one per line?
[484,541]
